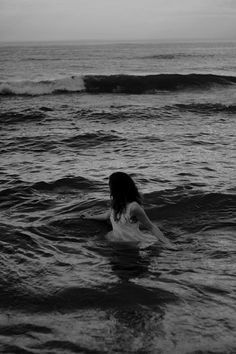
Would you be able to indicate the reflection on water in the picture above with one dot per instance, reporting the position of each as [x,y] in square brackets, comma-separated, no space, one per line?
[127,263]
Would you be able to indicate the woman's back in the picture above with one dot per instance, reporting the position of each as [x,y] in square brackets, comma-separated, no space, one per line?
[126,228]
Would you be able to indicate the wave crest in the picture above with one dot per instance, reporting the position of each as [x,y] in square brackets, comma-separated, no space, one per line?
[130,84]
[138,84]
[44,87]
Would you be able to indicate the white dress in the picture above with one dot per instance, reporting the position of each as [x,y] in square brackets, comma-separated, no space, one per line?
[126,231]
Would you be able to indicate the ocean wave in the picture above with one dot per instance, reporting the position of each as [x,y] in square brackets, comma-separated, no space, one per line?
[180,198]
[22,116]
[193,209]
[171,56]
[205,108]
[48,143]
[188,197]
[43,87]
[25,115]
[66,182]
[69,182]
[91,139]
[135,84]
[129,84]
[36,255]
[30,196]
[182,204]
[32,143]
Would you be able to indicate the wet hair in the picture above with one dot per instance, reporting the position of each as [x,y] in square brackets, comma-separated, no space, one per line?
[122,190]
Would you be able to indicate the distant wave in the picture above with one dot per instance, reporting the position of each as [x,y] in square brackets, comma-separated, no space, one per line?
[171,56]
[22,116]
[44,143]
[135,84]
[204,107]
[130,84]
[43,59]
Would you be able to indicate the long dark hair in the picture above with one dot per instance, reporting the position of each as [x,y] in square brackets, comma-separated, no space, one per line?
[122,190]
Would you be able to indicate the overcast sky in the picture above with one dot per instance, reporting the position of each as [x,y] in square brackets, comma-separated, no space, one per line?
[22,20]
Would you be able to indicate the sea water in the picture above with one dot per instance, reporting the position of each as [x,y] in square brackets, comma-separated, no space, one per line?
[73,113]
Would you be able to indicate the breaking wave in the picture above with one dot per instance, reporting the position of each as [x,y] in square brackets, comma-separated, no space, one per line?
[43,87]
[130,84]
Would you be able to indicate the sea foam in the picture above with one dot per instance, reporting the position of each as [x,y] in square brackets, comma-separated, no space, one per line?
[42,87]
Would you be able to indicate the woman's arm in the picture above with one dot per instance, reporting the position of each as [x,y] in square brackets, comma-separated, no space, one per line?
[98,217]
[140,214]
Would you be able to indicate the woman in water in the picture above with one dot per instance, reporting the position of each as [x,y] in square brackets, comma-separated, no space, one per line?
[126,214]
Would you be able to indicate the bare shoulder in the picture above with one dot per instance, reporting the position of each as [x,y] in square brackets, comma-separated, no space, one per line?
[135,207]
[136,210]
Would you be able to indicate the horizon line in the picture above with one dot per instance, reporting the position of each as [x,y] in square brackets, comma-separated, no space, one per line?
[121,40]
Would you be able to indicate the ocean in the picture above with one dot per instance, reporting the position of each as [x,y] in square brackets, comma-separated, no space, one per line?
[73,113]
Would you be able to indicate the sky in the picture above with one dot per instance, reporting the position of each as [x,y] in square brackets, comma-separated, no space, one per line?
[40,20]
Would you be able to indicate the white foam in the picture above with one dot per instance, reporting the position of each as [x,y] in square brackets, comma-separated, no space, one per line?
[46,87]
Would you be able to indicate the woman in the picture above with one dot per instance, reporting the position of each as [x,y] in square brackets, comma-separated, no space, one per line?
[127,214]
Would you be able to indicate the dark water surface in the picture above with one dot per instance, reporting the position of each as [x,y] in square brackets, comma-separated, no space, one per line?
[70,116]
